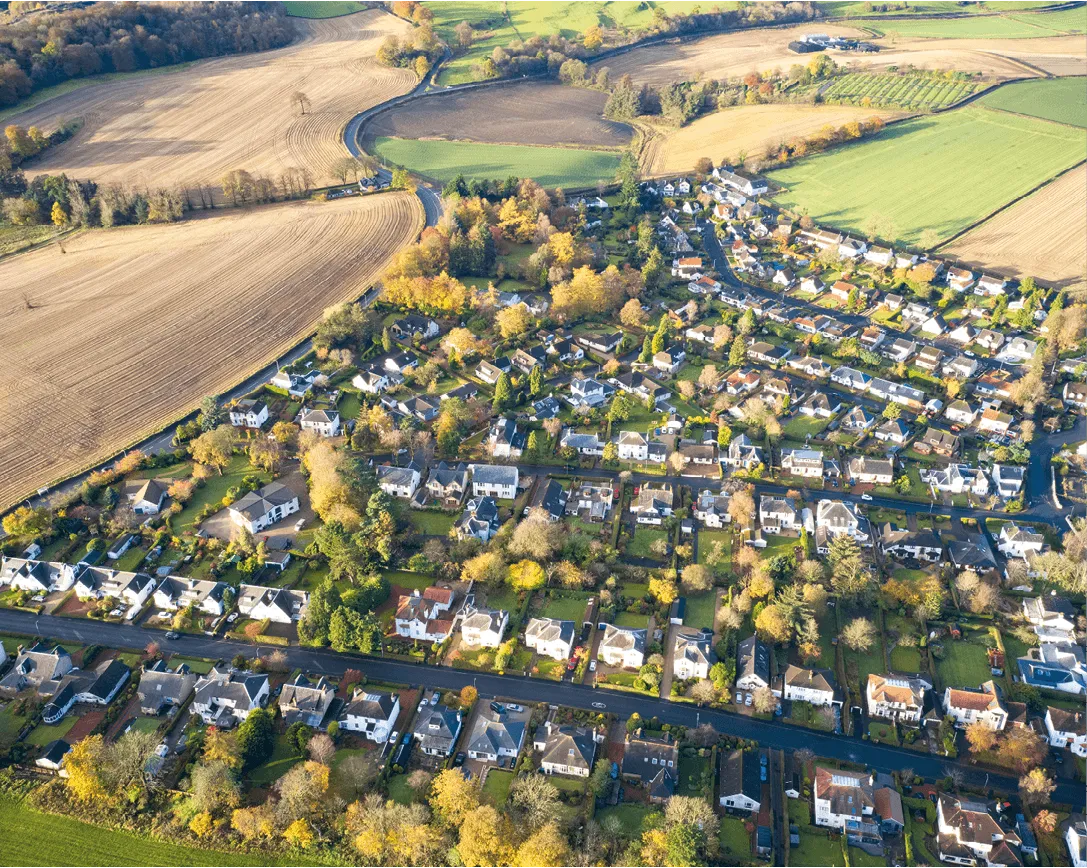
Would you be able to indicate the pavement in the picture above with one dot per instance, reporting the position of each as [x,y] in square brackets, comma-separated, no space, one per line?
[770,733]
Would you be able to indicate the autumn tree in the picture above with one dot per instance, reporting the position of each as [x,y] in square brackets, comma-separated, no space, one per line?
[215,448]
[452,797]
[697,578]
[546,846]
[1036,786]
[859,634]
[485,837]
[980,737]
[535,801]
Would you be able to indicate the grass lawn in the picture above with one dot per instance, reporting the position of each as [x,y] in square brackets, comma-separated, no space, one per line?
[399,791]
[146,724]
[282,758]
[10,725]
[904,574]
[691,769]
[431,522]
[630,816]
[706,541]
[130,560]
[32,838]
[778,545]
[899,174]
[905,659]
[965,663]
[323,9]
[884,733]
[16,238]
[496,788]
[349,405]
[1057,99]
[816,849]
[341,783]
[638,546]
[196,664]
[214,490]
[858,857]
[551,167]
[800,812]
[503,598]
[565,607]
[631,619]
[1021,26]
[735,841]
[800,426]
[701,609]
[406,579]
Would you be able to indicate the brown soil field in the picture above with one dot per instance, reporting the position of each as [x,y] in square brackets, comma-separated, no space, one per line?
[195,124]
[1044,235]
[527,113]
[129,328]
[723,134]
[729,55]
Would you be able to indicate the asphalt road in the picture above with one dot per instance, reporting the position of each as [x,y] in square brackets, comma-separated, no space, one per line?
[770,733]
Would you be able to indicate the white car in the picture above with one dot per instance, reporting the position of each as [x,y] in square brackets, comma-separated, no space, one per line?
[739,697]
[747,699]
[866,497]
[592,666]
[301,523]
[232,617]
[162,750]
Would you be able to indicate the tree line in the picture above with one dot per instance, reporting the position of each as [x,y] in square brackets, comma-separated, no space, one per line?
[47,47]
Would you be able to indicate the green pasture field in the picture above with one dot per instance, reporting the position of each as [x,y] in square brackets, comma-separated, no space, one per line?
[915,92]
[1020,26]
[322,8]
[496,25]
[850,8]
[1052,99]
[33,838]
[551,167]
[905,178]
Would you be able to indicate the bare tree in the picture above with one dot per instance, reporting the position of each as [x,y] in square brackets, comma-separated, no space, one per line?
[301,99]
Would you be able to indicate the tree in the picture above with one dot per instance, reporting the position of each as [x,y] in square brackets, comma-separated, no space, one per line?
[772,625]
[222,747]
[513,321]
[502,389]
[1036,786]
[487,568]
[215,448]
[58,215]
[526,575]
[631,314]
[980,737]
[892,411]
[663,590]
[301,100]
[84,764]
[722,675]
[536,381]
[859,634]
[764,701]
[468,696]
[738,354]
[299,833]
[1022,748]
[741,507]
[535,801]
[697,579]
[452,797]
[484,838]
[213,787]
[536,537]
[463,32]
[256,738]
[703,691]
[545,847]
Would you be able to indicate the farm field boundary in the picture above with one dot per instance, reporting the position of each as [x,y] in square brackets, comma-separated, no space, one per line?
[1060,100]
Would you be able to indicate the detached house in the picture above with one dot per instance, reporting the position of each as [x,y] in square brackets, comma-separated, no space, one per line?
[653,763]
[372,713]
[484,628]
[145,496]
[447,483]
[994,422]
[802,462]
[225,697]
[691,653]
[505,440]
[436,730]
[398,481]
[494,481]
[276,604]
[1053,618]
[307,702]
[983,705]
[565,750]
[495,735]
[878,471]
[653,504]
[1019,542]
[325,422]
[900,698]
[248,413]
[622,647]
[801,684]
[752,664]
[1067,729]
[742,775]
[264,507]
[425,615]
[479,519]
[632,446]
[777,513]
[920,545]
[968,834]
[819,406]
[550,637]
[743,454]
[845,800]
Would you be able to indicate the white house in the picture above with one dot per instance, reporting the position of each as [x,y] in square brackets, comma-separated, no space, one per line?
[484,628]
[248,413]
[505,440]
[1053,618]
[1019,542]
[497,481]
[175,593]
[712,509]
[325,422]
[372,381]
[741,774]
[264,507]
[38,577]
[1067,729]
[691,653]
[276,604]
[145,496]
[653,504]
[632,446]
[983,705]
[816,686]
[802,462]
[842,797]
[372,713]
[550,637]
[622,647]
[956,478]
[225,697]
[968,834]
[777,513]
[752,664]
[1075,836]
[896,697]
[398,481]
[495,735]
[97,583]
[425,615]
[565,750]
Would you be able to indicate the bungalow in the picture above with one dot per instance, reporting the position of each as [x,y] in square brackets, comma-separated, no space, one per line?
[956,479]
[704,454]
[248,413]
[818,405]
[622,647]
[939,441]
[484,628]
[295,385]
[479,520]
[584,444]
[839,518]
[961,367]
[741,774]
[565,750]
[175,593]
[489,372]
[761,351]
[893,301]
[129,589]
[934,326]
[408,327]
[161,688]
[603,344]
[264,507]
[851,378]
[1018,350]
[802,462]
[851,248]
[784,277]
[145,496]
[525,360]
[566,350]
[878,471]
[963,334]
[704,286]
[884,257]
[41,667]
[494,481]
[550,637]
[971,554]
[372,713]
[960,412]
[920,545]
[550,500]
[742,382]
[811,366]
[983,705]
[703,334]
[823,239]
[812,286]
[989,340]
[900,350]
[401,363]
[892,431]
[274,604]
[858,419]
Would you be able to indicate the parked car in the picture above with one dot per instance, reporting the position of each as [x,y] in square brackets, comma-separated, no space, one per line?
[866,497]
[747,699]
[739,697]
[173,634]
[592,666]
[459,759]
[232,617]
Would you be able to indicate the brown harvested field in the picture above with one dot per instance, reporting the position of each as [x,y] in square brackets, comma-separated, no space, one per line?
[129,328]
[724,134]
[730,55]
[526,113]
[195,124]
[1044,235]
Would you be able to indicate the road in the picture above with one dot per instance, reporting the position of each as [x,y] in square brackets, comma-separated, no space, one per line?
[770,733]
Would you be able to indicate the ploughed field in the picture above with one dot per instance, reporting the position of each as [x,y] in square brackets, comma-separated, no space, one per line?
[126,329]
[191,126]
[527,113]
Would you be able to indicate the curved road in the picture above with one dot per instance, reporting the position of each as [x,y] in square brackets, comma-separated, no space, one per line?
[771,733]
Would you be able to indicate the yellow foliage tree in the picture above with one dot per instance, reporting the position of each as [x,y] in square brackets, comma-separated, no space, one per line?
[484,838]
[526,575]
[202,825]
[663,590]
[84,766]
[546,847]
[299,833]
[452,797]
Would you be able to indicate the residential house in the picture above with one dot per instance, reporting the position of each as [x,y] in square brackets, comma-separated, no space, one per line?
[584,444]
[494,481]
[565,750]
[145,496]
[398,481]
[839,518]
[653,503]
[928,359]
[1075,837]
[264,507]
[783,277]
[801,684]
[818,406]
[479,519]
[742,776]
[495,735]
[851,248]
[1067,729]
[505,440]
[225,697]
[994,422]
[960,279]
[712,509]
[963,334]
[960,412]
[436,729]
[307,702]
[129,589]
[408,327]
[752,664]
[401,363]
[743,454]
[1055,666]
[971,554]
[587,392]
[489,372]
[704,286]
[545,408]
[175,593]
[550,637]
[276,604]
[425,614]
[604,344]
[956,479]
[634,383]
[591,500]
[527,359]
[961,367]
[934,326]
[939,441]
[900,698]
[1009,479]
[622,647]
[1053,618]
[161,688]
[845,800]
[1018,350]
[550,500]
[983,705]
[768,354]
[325,422]
[900,350]
[809,365]
[670,360]
[653,763]
[742,382]
[884,257]
[484,628]
[372,713]
[1019,542]
[53,755]
[632,446]
[871,337]
[967,833]
[295,385]
[38,577]
[989,340]
[688,267]
[851,378]
[920,545]
[703,454]
[823,239]
[371,381]
[858,419]
[812,286]
[100,686]
[691,652]
[447,483]
[990,285]
[777,514]
[802,462]
[877,471]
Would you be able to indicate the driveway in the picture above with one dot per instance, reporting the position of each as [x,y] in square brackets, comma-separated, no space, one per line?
[278,536]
